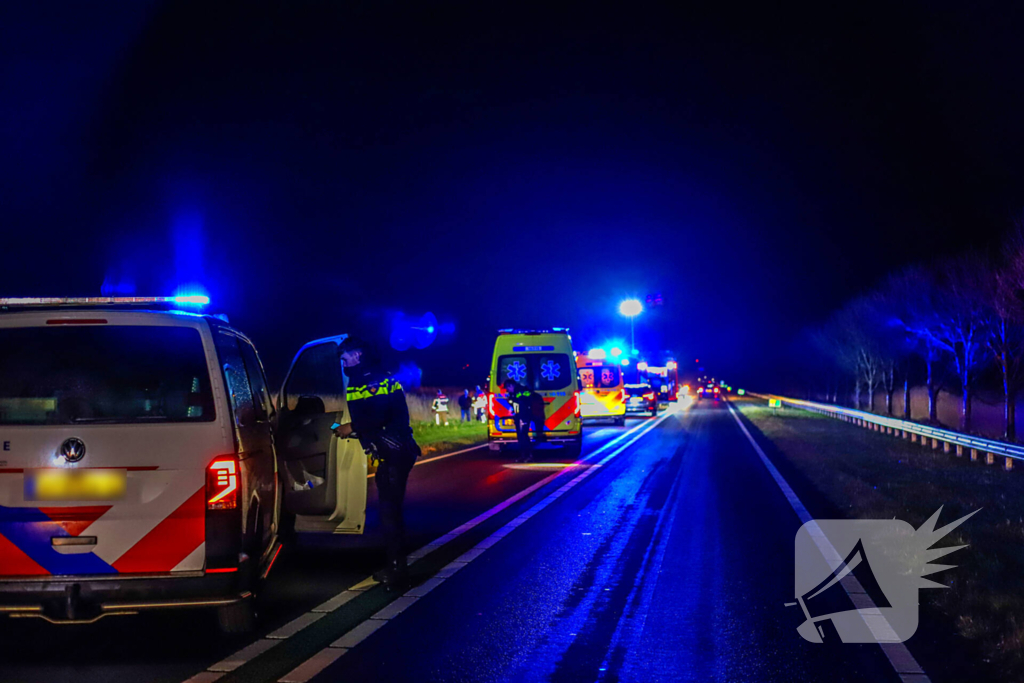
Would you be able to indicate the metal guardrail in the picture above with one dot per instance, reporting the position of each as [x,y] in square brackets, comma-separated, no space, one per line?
[912,430]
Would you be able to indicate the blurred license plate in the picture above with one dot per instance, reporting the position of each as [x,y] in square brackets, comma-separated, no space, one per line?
[85,484]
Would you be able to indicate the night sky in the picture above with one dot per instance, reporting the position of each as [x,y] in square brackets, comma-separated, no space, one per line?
[320,167]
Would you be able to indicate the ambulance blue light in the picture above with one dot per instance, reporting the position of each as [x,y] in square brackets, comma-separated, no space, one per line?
[596,354]
[625,361]
[616,352]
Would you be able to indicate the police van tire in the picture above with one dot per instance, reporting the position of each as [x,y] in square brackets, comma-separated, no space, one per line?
[238,618]
[575,449]
[620,421]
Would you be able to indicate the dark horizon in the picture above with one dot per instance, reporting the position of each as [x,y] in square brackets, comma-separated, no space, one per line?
[317,169]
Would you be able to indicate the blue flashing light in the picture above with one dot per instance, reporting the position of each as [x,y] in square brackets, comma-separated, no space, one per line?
[625,361]
[430,329]
[198,299]
[616,352]
[596,354]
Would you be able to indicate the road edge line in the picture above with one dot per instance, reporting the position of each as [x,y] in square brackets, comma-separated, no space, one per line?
[903,663]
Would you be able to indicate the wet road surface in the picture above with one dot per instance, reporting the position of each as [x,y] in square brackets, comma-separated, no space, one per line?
[665,554]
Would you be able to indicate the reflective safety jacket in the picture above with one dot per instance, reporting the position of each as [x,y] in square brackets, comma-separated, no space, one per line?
[523,400]
[440,404]
[379,411]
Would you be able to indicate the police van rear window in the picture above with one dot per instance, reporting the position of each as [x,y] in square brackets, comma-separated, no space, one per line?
[542,371]
[105,375]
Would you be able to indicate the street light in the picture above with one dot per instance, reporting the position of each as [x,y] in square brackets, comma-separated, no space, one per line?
[631,308]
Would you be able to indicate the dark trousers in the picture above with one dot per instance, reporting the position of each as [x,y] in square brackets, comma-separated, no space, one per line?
[392,476]
[465,414]
[523,434]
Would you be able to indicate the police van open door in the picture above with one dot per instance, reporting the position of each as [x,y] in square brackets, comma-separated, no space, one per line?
[323,478]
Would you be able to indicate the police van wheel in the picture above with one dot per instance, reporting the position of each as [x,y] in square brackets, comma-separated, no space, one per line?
[620,421]
[237,618]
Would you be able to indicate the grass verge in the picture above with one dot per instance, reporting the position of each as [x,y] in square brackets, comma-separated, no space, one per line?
[435,439]
[860,473]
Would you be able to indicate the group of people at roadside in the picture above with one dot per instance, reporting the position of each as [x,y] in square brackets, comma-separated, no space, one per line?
[471,406]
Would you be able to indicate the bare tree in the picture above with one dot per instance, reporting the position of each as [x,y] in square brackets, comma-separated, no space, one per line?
[912,296]
[853,332]
[963,318]
[1006,325]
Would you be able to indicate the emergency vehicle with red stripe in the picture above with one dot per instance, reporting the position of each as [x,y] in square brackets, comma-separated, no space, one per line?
[540,360]
[144,465]
[602,391]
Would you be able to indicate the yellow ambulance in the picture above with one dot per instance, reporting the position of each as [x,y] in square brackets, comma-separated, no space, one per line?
[541,360]
[602,393]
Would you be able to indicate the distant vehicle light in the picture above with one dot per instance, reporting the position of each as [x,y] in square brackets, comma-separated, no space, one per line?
[686,388]
[596,354]
[672,365]
[625,361]
[616,352]
[641,366]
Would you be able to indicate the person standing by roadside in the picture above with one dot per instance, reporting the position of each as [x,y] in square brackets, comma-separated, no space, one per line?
[465,403]
[480,404]
[440,408]
[380,420]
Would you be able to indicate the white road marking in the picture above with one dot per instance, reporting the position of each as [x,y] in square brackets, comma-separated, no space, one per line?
[908,668]
[321,661]
[311,667]
[244,655]
[296,625]
[304,673]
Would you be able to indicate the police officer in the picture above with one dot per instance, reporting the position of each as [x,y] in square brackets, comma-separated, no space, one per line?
[522,399]
[380,419]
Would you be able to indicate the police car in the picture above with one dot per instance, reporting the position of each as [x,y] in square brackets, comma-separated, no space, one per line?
[144,465]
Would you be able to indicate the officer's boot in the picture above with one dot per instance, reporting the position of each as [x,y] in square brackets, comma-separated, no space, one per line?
[394,576]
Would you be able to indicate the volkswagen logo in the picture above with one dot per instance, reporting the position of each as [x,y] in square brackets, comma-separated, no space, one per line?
[73,449]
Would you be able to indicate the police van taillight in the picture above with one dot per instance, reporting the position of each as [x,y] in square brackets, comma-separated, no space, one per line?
[490,405]
[222,483]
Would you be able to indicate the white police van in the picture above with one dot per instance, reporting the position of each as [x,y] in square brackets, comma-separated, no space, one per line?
[143,464]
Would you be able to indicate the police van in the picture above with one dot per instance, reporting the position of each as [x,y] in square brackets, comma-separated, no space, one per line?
[541,360]
[145,466]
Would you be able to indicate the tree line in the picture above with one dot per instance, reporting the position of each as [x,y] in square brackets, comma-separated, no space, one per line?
[945,324]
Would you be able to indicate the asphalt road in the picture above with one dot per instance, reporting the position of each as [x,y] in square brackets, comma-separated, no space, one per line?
[665,554]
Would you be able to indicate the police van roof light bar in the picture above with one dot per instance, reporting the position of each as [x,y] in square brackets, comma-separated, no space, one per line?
[196,299]
[549,330]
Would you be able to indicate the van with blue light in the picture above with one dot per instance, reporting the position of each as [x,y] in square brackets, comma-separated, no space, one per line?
[602,392]
[541,360]
[145,466]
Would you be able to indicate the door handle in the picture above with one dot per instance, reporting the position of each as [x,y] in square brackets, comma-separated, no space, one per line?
[63,541]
